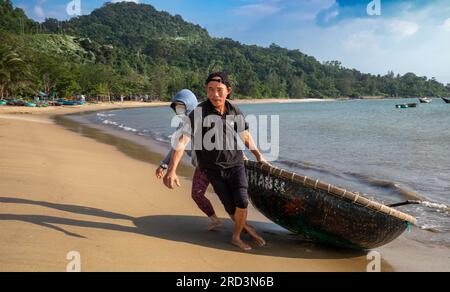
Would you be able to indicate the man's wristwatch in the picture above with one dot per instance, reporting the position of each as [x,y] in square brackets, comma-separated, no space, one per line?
[164,166]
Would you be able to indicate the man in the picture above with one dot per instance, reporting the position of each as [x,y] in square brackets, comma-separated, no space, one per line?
[211,124]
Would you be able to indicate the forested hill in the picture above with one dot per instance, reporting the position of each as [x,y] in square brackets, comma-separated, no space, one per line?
[129,25]
[129,48]
[14,19]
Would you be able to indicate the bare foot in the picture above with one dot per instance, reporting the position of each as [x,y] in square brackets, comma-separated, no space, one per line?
[258,240]
[214,225]
[242,245]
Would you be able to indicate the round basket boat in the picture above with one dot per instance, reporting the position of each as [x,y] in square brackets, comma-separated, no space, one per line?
[323,212]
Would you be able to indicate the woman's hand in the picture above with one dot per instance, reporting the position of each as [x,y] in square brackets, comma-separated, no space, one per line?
[160,172]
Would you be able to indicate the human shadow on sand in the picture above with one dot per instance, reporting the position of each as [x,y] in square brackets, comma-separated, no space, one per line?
[188,229]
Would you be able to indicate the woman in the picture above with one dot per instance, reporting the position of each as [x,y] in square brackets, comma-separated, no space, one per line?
[184,103]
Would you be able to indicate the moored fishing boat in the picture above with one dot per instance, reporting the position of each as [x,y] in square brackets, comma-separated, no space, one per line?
[30,104]
[66,102]
[69,103]
[406,105]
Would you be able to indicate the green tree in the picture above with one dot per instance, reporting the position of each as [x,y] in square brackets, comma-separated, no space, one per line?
[14,19]
[158,79]
[48,71]
[134,49]
[299,89]
[14,72]
[248,84]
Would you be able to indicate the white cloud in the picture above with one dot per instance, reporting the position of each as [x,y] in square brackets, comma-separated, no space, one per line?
[407,42]
[446,25]
[402,28]
[257,10]
[375,35]
[361,41]
[39,11]
[331,15]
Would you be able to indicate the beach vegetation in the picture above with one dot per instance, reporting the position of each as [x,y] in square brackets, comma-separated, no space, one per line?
[129,49]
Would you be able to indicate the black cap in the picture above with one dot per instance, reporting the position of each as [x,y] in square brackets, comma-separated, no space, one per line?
[220,77]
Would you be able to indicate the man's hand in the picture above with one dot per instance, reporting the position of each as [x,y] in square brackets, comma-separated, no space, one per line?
[262,160]
[160,173]
[250,144]
[171,179]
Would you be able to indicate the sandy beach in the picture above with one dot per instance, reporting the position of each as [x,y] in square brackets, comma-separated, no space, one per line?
[62,110]
[63,192]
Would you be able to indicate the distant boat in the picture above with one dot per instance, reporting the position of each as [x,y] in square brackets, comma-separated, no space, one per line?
[42,104]
[425,100]
[447,100]
[406,105]
[66,102]
[30,104]
[70,103]
[16,102]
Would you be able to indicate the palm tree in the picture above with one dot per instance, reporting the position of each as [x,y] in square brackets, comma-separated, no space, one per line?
[14,72]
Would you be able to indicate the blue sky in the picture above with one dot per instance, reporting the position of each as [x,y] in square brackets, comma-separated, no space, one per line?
[408,36]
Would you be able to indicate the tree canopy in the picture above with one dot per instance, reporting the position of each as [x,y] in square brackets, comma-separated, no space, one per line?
[133,49]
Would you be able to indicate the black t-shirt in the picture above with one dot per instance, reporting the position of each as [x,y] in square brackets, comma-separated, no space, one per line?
[215,136]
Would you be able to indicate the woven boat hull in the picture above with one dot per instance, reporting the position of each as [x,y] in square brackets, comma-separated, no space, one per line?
[317,214]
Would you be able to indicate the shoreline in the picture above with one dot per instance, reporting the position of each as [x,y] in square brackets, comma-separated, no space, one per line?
[280,100]
[147,203]
[423,250]
[63,110]
[69,198]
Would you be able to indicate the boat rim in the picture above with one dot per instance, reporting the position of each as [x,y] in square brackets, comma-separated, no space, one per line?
[355,198]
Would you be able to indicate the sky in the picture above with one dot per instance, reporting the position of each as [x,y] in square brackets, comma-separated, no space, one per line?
[373,36]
